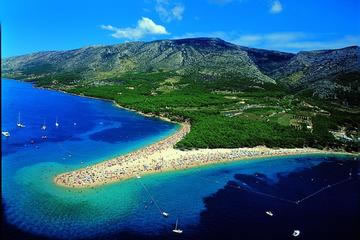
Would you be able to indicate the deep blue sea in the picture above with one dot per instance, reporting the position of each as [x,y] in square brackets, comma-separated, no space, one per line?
[319,195]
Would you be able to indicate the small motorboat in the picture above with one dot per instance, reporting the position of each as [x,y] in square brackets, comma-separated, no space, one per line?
[269,213]
[6,134]
[176,229]
[138,177]
[44,137]
[296,233]
[165,214]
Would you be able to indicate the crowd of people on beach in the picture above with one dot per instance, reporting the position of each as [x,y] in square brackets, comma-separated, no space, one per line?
[158,157]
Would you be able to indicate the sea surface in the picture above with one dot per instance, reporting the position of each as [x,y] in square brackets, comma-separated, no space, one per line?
[319,195]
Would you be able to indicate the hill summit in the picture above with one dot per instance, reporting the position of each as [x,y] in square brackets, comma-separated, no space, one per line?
[330,74]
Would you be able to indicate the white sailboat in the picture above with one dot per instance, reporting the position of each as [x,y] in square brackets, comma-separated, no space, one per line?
[296,233]
[6,134]
[19,124]
[177,230]
[56,123]
[269,213]
[43,127]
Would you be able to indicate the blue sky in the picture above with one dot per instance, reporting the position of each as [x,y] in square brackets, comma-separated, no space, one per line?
[286,25]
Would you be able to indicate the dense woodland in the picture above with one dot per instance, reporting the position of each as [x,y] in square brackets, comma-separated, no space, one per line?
[227,112]
[233,96]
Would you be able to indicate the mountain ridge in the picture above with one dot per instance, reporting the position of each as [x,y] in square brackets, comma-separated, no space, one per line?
[233,96]
[322,73]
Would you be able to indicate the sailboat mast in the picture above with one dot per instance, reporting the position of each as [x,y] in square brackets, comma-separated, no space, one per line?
[19,124]
[176,223]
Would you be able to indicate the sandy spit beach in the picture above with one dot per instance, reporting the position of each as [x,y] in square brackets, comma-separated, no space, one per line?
[161,157]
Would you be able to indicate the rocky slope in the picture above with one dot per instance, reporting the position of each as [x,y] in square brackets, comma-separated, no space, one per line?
[328,73]
[331,74]
[209,56]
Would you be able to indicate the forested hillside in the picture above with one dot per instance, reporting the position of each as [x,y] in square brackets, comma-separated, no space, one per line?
[234,96]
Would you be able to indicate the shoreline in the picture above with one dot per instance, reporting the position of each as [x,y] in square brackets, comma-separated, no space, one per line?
[150,159]
[113,102]
[162,157]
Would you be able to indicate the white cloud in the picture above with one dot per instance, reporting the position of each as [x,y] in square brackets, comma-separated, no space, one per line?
[168,11]
[247,40]
[219,34]
[295,41]
[282,41]
[221,2]
[178,12]
[260,39]
[145,26]
[225,2]
[276,7]
[308,44]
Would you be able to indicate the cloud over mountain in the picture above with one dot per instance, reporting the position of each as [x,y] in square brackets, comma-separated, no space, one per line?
[276,7]
[169,11]
[145,26]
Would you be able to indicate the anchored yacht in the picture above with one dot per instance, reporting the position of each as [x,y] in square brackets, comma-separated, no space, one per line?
[296,233]
[56,122]
[43,127]
[269,213]
[19,124]
[6,134]
[177,230]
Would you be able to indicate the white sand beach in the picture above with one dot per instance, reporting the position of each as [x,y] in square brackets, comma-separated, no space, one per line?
[162,156]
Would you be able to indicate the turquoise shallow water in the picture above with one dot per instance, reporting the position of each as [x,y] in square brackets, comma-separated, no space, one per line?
[33,204]
[90,131]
